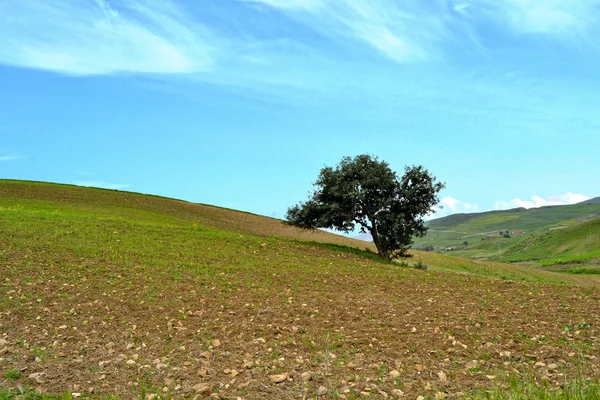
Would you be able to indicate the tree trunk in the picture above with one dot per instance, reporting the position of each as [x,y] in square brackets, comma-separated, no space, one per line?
[375,235]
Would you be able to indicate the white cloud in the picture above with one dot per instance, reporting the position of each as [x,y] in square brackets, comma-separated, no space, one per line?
[450,202]
[536,201]
[547,16]
[405,32]
[290,4]
[565,19]
[10,157]
[451,206]
[101,37]
[102,184]
[572,198]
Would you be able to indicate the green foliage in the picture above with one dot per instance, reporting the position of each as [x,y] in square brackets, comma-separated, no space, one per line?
[518,388]
[420,265]
[12,374]
[364,192]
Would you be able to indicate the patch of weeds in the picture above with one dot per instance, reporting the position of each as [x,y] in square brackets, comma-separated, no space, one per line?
[381,372]
[520,388]
[419,265]
[13,374]
[41,353]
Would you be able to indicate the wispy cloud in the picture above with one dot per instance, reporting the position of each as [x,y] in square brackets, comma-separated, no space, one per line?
[405,32]
[555,18]
[102,37]
[10,157]
[102,184]
[536,201]
[290,4]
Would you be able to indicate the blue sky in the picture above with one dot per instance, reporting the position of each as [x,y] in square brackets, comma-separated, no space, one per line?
[240,103]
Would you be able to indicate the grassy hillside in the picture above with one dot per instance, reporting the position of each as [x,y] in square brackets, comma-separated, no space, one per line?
[105,203]
[481,235]
[575,244]
[112,293]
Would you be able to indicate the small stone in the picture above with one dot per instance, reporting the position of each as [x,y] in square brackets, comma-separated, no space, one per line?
[151,396]
[420,398]
[419,368]
[76,394]
[472,364]
[130,362]
[216,343]
[441,395]
[37,376]
[279,377]
[202,388]
[540,364]
[491,377]
[306,376]
[234,373]
[322,391]
[552,366]
[442,377]
[395,373]
[397,392]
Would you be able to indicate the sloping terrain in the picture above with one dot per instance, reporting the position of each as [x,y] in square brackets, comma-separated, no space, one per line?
[111,293]
[490,234]
[153,209]
[575,244]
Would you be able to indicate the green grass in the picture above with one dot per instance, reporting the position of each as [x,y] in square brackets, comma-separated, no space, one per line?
[161,279]
[26,393]
[12,374]
[518,388]
[575,244]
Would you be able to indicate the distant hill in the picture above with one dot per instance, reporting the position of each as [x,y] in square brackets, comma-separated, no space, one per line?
[575,244]
[489,234]
[595,200]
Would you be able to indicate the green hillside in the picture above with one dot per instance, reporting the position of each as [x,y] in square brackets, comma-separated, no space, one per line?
[491,234]
[577,244]
[108,294]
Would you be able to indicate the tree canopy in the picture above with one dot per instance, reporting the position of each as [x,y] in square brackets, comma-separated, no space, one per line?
[364,192]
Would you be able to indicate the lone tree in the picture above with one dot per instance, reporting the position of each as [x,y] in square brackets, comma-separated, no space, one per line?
[364,191]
